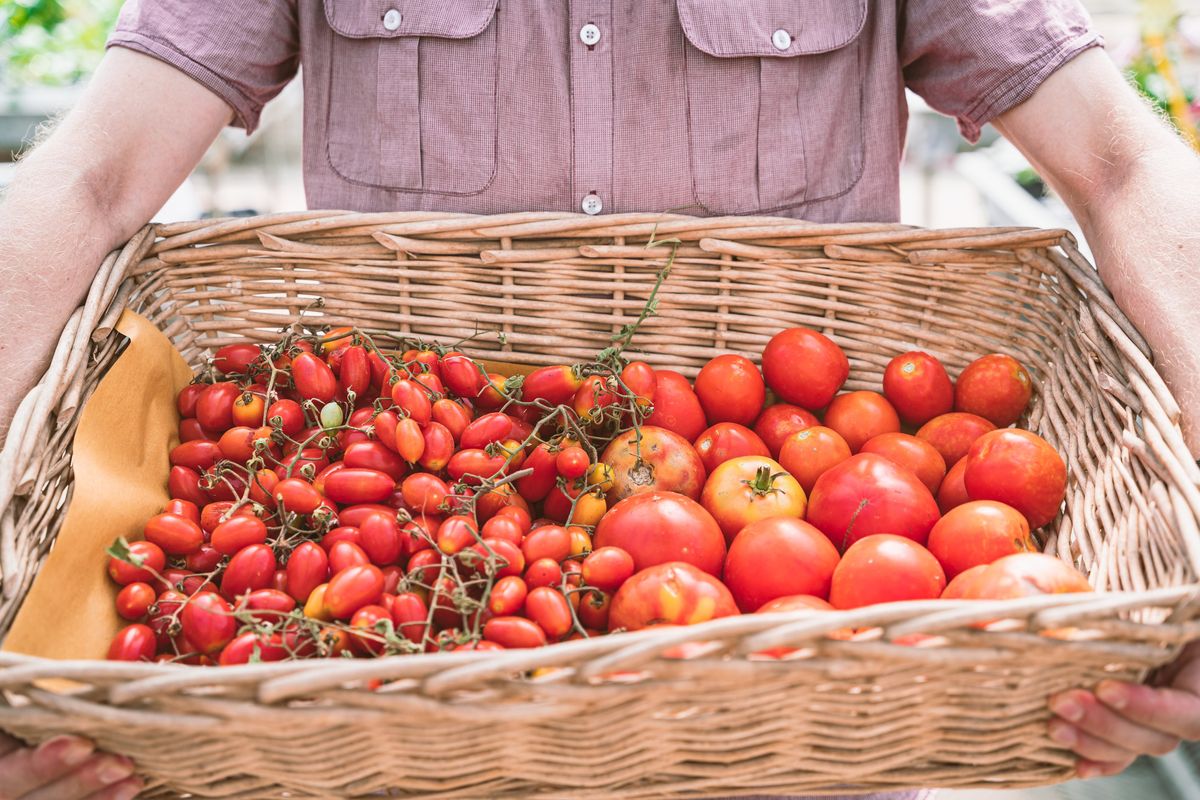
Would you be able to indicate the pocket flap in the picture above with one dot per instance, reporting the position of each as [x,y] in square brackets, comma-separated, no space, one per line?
[364,19]
[730,28]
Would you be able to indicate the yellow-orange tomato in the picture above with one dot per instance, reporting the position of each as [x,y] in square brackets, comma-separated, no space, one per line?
[589,508]
[978,532]
[861,416]
[807,454]
[600,476]
[750,488]
[315,607]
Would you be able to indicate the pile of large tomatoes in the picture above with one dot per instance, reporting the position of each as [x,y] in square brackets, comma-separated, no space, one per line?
[332,496]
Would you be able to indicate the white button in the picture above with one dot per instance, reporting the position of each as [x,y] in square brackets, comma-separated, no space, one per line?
[589,34]
[391,20]
[781,39]
[592,204]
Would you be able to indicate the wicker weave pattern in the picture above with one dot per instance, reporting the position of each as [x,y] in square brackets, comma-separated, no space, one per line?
[967,710]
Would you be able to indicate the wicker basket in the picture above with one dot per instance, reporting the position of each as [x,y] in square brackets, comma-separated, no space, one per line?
[617,718]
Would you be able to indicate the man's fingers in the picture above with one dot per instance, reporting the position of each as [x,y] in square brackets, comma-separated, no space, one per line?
[1086,745]
[1171,711]
[1100,769]
[1094,718]
[8,744]
[97,773]
[125,790]
[26,769]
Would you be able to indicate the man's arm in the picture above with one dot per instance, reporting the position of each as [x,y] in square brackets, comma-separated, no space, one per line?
[1135,188]
[138,130]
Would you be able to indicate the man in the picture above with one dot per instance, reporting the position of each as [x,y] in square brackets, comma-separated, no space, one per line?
[721,106]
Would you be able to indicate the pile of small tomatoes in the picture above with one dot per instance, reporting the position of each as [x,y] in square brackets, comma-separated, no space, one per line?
[336,493]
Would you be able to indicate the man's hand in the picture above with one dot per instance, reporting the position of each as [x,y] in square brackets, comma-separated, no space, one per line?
[137,131]
[64,768]
[1112,726]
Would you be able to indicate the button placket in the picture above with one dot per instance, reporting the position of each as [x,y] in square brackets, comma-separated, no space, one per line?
[591,103]
[392,19]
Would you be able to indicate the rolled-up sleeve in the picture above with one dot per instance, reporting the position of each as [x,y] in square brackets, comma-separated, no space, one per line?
[975,59]
[245,51]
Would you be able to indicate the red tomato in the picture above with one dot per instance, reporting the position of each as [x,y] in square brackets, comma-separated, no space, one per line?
[607,568]
[474,466]
[133,643]
[596,393]
[660,527]
[437,447]
[296,495]
[543,460]
[485,430]
[457,533]
[237,444]
[514,632]
[572,462]
[186,401]
[183,483]
[236,358]
[149,556]
[287,416]
[250,645]
[250,568]
[867,494]
[413,398]
[423,492]
[461,375]
[307,568]
[191,430]
[135,599]
[353,516]
[544,572]
[208,622]
[810,453]
[1019,468]
[214,407]
[549,609]
[963,584]
[355,374]
[653,459]
[995,387]
[556,385]
[508,596]
[492,396]
[676,407]
[353,588]
[731,389]
[795,602]
[373,455]
[978,532]
[183,508]
[675,593]
[917,386]
[953,491]
[548,541]
[368,619]
[953,434]
[777,423]
[594,608]
[861,416]
[804,367]
[639,378]
[883,569]
[237,532]
[198,454]
[725,441]
[916,455]
[313,378]
[271,604]
[379,537]
[206,559]
[778,557]
[409,615]
[359,486]
[346,554]
[176,535]
[1024,575]
[421,362]
[410,441]
[453,415]
[748,489]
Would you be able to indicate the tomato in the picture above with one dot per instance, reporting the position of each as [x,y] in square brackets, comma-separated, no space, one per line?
[355,372]
[514,632]
[777,557]
[307,568]
[730,389]
[596,393]
[236,358]
[607,568]
[237,532]
[208,622]
[313,378]
[777,423]
[548,541]
[861,416]
[809,453]
[353,588]
[492,396]
[253,646]
[453,415]
[804,367]
[1023,575]
[367,619]
[176,535]
[379,537]
[676,407]
[508,596]
[485,430]
[995,387]
[421,362]
[133,643]
[198,454]
[543,460]
[1020,469]
[581,540]
[461,375]
[272,604]
[916,455]
[640,379]
[373,455]
[867,494]
[413,399]
[653,459]
[315,606]
[795,602]
[183,508]
[917,386]
[474,466]
[882,569]
[409,615]
[135,599]
[206,559]
[555,385]
[456,534]
[359,485]
[748,489]
[287,416]
[953,434]
[423,492]
[675,593]
[214,406]
[431,382]
[183,483]
[437,447]
[588,509]
[659,527]
[953,491]
[572,462]
[410,441]
[191,430]
[549,609]
[345,554]
[236,444]
[961,586]
[250,568]
[727,440]
[978,532]
[186,401]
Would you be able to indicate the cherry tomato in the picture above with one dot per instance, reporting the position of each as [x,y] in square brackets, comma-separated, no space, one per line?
[549,609]
[296,495]
[474,466]
[188,396]
[410,441]
[198,454]
[514,632]
[883,568]
[485,430]
[252,645]
[248,409]
[208,622]
[353,516]
[183,508]
[639,378]
[1020,469]
[206,559]
[437,447]
[594,608]
[238,532]
[191,430]
[503,527]
[543,572]
[409,615]
[287,416]
[353,588]
[413,399]
[995,387]
[355,373]
[368,619]
[777,557]
[374,455]
[379,537]
[607,568]
[727,440]
[250,568]
[359,485]
[548,541]
[456,533]
[492,396]
[556,385]
[313,378]
[214,407]
[183,483]
[676,407]
[506,559]
[508,596]
[543,460]
[133,643]
[272,604]
[176,535]
[343,555]
[461,375]
[596,393]
[804,367]
[452,415]
[581,540]
[135,599]
[917,455]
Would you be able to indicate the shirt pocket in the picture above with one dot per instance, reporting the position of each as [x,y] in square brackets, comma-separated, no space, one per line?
[412,94]
[774,93]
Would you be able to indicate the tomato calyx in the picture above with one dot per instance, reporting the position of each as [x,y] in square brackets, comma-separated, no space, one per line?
[763,482]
